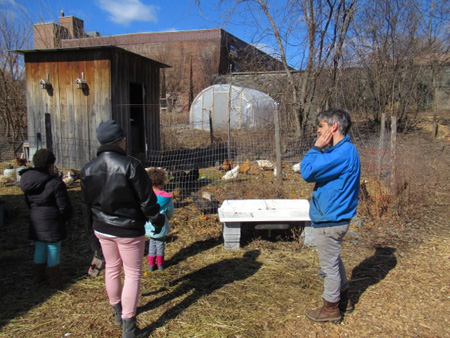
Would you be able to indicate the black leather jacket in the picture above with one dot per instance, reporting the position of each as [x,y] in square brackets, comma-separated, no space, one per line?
[117,193]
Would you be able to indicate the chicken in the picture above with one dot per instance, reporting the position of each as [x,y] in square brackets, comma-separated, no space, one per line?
[205,204]
[231,174]
[69,178]
[296,167]
[76,173]
[21,161]
[149,169]
[227,165]
[245,167]
[176,193]
[265,164]
[207,195]
[363,193]
[186,176]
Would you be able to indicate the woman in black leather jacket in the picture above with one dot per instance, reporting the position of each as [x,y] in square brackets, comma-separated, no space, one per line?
[119,199]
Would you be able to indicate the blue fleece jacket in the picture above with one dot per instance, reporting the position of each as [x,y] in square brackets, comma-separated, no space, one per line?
[165,200]
[336,172]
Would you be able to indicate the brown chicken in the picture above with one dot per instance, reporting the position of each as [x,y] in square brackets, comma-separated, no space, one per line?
[245,167]
[227,165]
[21,161]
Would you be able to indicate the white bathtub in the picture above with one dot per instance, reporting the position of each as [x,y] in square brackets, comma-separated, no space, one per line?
[267,211]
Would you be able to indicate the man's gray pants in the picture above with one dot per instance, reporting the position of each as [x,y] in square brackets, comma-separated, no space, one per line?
[328,242]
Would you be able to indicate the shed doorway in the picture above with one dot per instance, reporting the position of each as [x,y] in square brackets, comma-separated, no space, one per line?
[137,120]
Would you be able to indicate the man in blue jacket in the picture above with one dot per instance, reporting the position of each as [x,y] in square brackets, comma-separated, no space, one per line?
[333,164]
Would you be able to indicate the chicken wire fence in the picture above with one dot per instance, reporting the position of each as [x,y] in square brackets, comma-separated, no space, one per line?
[194,158]
[11,149]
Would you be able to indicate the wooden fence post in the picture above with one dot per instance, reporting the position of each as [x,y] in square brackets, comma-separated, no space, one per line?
[381,145]
[277,143]
[229,115]
[393,149]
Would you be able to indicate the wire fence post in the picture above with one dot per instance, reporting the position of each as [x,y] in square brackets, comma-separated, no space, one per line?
[211,131]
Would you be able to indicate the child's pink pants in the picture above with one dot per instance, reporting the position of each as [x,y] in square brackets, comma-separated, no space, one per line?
[129,253]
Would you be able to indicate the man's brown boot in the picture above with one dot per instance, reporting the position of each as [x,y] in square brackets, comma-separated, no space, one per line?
[329,312]
[345,303]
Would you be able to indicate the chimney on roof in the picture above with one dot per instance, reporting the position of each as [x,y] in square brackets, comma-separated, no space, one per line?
[74,26]
[62,13]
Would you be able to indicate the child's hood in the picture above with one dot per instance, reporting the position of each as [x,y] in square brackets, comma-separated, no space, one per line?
[33,181]
[164,198]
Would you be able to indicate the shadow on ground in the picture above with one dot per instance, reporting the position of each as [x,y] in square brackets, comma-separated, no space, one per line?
[17,288]
[200,283]
[371,271]
[192,250]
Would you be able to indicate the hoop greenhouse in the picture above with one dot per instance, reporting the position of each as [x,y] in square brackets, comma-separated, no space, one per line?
[249,108]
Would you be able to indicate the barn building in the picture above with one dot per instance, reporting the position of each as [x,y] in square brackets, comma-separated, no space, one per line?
[71,90]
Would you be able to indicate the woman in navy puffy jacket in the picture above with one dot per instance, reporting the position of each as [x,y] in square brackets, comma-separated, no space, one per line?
[50,210]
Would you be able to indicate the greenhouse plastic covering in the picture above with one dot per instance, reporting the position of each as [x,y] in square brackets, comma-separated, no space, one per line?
[249,108]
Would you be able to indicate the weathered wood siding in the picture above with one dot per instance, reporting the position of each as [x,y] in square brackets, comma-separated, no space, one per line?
[75,113]
[139,70]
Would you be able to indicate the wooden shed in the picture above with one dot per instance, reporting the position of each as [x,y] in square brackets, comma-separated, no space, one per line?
[71,90]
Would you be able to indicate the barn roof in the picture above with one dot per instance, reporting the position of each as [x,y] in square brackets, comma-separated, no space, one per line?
[83,48]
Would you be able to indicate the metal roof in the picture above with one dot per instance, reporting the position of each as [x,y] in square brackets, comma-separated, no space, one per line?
[79,48]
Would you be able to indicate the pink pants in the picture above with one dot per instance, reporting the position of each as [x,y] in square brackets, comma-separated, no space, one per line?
[129,253]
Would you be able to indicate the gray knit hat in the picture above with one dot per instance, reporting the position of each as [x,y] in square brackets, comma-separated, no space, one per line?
[109,132]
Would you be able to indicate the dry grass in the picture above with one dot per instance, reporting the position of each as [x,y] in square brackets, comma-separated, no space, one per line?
[398,270]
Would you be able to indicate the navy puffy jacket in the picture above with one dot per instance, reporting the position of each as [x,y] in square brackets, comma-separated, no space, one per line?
[49,203]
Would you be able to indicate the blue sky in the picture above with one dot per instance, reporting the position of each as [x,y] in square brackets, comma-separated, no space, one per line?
[111,17]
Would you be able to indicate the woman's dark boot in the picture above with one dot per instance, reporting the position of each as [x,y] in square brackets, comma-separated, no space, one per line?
[117,314]
[129,329]
[39,273]
[56,278]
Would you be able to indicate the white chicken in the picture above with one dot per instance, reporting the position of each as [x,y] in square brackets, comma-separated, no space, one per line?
[231,174]
[265,164]
[296,168]
[69,178]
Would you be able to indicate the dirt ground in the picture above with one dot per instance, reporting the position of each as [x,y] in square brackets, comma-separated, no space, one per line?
[398,269]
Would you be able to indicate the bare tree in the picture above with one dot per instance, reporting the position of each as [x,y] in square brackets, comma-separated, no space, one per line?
[391,48]
[438,45]
[327,24]
[317,29]
[207,68]
[14,34]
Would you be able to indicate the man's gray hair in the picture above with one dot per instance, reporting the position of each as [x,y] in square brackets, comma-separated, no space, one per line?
[341,117]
